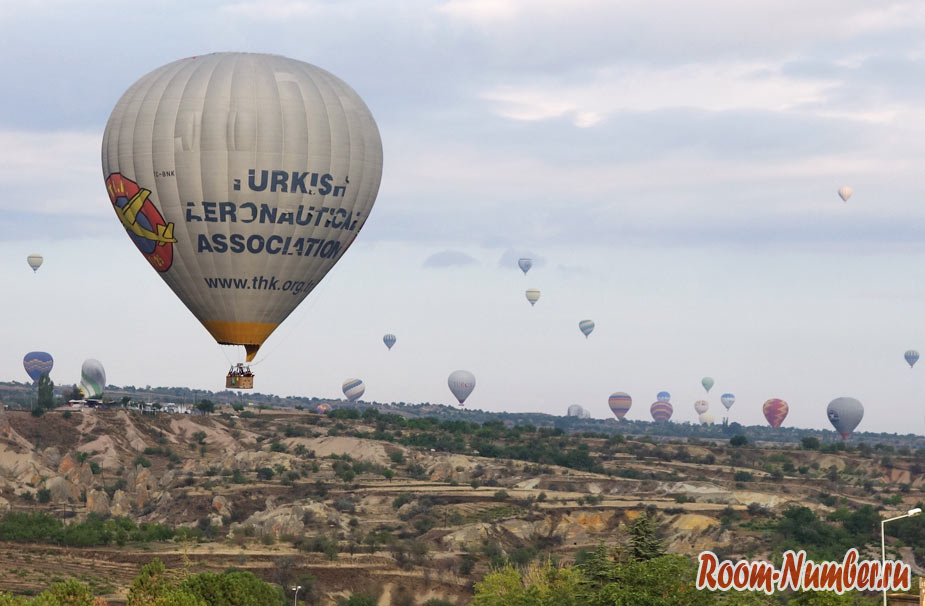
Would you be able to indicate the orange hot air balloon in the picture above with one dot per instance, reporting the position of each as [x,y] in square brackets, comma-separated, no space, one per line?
[619,403]
[775,411]
[661,411]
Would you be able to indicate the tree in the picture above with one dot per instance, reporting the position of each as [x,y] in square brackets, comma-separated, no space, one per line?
[644,544]
[810,443]
[205,406]
[737,441]
[46,397]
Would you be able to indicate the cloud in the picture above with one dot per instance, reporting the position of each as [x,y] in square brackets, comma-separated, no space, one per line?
[449,258]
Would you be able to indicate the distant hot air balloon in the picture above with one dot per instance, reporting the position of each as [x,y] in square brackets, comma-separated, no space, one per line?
[728,400]
[845,414]
[707,383]
[775,411]
[912,357]
[353,389]
[586,326]
[242,178]
[578,411]
[845,193]
[701,406]
[322,409]
[35,261]
[92,378]
[461,383]
[663,396]
[706,419]
[533,295]
[37,363]
[620,404]
[525,264]
[389,340]
[661,411]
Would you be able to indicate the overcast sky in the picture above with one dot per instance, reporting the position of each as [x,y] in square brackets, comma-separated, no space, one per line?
[672,167]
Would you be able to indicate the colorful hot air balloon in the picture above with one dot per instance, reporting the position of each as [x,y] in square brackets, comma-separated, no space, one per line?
[706,419]
[35,261]
[37,363]
[322,409]
[533,295]
[461,383]
[661,411]
[845,414]
[353,389]
[619,403]
[707,383]
[912,357]
[728,400]
[389,341]
[844,193]
[586,326]
[663,396]
[701,406]
[242,178]
[92,378]
[775,411]
[525,264]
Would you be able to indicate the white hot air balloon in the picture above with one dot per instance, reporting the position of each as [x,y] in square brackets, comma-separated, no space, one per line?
[35,261]
[728,400]
[701,406]
[92,378]
[525,265]
[706,419]
[461,383]
[353,389]
[533,295]
[844,193]
[242,178]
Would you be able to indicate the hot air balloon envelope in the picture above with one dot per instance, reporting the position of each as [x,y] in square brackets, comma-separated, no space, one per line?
[533,295]
[92,378]
[461,383]
[912,357]
[353,389]
[844,193]
[242,178]
[619,403]
[586,326]
[661,411]
[728,400]
[706,419]
[775,411]
[701,406]
[37,363]
[35,261]
[663,396]
[525,264]
[389,340]
[845,414]
[322,409]
[707,383]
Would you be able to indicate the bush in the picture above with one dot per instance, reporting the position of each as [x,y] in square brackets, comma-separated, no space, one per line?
[44,495]
[737,441]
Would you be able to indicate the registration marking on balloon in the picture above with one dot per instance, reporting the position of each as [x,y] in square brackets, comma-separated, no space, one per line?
[142,220]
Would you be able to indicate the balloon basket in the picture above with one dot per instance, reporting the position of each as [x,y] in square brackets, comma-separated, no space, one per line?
[239,377]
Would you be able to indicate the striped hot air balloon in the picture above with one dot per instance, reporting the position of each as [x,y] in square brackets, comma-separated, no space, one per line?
[586,326]
[389,340]
[728,400]
[619,404]
[661,411]
[36,363]
[775,411]
[533,295]
[353,389]
[912,357]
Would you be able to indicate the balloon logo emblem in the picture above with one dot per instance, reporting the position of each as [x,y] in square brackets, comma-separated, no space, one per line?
[149,231]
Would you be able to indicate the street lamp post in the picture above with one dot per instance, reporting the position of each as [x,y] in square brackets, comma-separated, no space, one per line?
[908,514]
[295,598]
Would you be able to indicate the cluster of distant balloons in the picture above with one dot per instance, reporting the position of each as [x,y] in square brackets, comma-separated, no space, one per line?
[92,374]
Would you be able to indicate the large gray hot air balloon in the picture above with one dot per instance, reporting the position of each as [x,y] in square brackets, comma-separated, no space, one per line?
[242,178]
[845,414]
[353,389]
[525,264]
[461,383]
[92,378]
